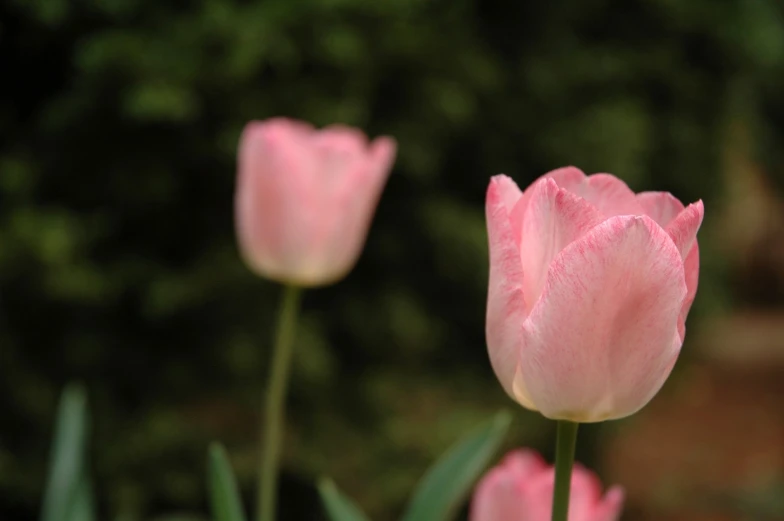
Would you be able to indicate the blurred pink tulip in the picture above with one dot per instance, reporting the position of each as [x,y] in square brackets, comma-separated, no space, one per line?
[305,198]
[589,290]
[521,489]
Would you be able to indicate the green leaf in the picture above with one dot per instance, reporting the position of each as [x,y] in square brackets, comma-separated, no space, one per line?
[179,517]
[338,506]
[224,497]
[68,492]
[83,504]
[446,484]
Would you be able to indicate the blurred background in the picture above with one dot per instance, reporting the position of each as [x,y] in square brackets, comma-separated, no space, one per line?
[119,121]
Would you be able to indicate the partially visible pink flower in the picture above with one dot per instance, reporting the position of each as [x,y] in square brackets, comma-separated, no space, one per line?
[521,488]
[590,285]
[305,198]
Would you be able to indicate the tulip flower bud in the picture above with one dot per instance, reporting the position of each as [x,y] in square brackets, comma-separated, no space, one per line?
[305,198]
[521,489]
[589,290]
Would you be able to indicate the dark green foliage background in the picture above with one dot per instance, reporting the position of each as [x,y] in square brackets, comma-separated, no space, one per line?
[119,121]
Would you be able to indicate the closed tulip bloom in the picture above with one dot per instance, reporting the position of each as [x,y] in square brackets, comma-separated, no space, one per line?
[521,489]
[305,198]
[589,290]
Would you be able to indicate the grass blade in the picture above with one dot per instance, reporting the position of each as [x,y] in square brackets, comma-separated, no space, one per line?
[224,496]
[67,469]
[338,506]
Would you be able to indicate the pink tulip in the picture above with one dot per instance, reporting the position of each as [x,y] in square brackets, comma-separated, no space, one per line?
[521,489]
[305,198]
[589,290]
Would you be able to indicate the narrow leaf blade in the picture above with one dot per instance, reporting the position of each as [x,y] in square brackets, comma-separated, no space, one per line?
[83,503]
[446,484]
[68,457]
[224,496]
[338,506]
[180,517]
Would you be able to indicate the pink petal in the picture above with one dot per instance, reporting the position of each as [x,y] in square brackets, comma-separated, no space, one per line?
[585,494]
[514,202]
[537,499]
[339,151]
[497,498]
[498,494]
[609,509]
[611,195]
[601,336]
[506,309]
[277,130]
[338,135]
[508,191]
[564,177]
[605,191]
[554,219]
[266,199]
[356,196]
[662,207]
[683,231]
[692,268]
[341,146]
[382,154]
[568,177]
[683,228]
[584,501]
[524,463]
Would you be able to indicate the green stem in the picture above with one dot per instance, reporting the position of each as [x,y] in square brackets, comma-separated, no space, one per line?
[272,429]
[564,459]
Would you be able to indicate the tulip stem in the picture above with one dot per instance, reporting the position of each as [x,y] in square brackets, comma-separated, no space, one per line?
[566,439]
[272,429]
